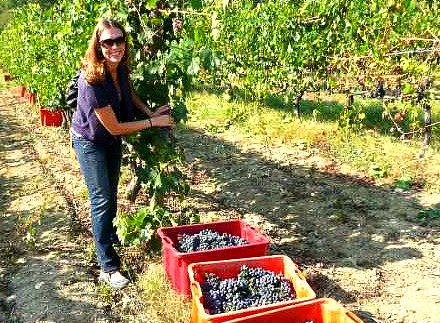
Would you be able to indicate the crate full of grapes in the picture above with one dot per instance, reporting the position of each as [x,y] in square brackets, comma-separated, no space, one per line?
[321,310]
[235,288]
[187,244]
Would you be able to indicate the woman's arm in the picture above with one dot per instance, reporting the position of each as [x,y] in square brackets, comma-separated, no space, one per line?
[144,108]
[108,119]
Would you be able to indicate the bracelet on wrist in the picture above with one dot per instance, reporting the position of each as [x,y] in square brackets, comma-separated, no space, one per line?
[151,123]
[146,110]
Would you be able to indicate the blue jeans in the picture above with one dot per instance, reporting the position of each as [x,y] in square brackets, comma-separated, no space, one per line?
[100,166]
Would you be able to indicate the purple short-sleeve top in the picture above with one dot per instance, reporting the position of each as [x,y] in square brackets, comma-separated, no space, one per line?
[90,97]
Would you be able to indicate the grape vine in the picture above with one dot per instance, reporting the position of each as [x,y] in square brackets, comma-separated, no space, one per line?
[42,47]
[286,48]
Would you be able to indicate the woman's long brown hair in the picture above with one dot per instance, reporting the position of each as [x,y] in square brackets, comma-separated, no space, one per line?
[93,63]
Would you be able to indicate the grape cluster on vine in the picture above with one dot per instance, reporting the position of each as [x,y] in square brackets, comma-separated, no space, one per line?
[253,287]
[207,239]
[177,25]
[379,91]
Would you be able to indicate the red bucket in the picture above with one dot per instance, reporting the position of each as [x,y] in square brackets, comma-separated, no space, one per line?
[51,118]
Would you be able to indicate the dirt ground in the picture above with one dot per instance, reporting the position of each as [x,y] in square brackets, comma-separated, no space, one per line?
[44,275]
[358,243]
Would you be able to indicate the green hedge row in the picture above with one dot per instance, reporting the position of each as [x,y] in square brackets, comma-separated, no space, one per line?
[288,46]
[42,47]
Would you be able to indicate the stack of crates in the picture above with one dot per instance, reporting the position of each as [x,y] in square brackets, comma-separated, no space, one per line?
[186,272]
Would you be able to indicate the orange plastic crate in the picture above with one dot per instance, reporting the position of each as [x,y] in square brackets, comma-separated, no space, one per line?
[279,264]
[322,310]
[176,263]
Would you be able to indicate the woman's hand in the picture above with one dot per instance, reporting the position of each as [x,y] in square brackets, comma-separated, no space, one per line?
[165,120]
[163,110]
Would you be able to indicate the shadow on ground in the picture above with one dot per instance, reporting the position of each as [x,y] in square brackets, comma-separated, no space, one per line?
[321,219]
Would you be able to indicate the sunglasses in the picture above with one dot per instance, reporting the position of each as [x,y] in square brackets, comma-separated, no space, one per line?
[112,41]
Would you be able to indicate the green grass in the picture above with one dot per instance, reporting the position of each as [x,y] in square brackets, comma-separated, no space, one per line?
[151,299]
[368,145]
[4,18]
[161,302]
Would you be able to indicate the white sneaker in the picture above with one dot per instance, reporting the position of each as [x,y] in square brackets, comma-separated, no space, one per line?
[114,279]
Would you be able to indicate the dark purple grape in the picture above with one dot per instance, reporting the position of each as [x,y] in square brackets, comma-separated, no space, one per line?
[177,25]
[207,239]
[252,287]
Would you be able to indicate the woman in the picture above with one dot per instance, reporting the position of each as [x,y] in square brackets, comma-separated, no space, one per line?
[105,111]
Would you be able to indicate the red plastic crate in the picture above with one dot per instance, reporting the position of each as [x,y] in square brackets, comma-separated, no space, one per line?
[279,264]
[176,263]
[51,118]
[322,310]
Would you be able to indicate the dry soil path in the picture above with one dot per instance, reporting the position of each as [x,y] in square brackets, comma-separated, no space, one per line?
[44,274]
